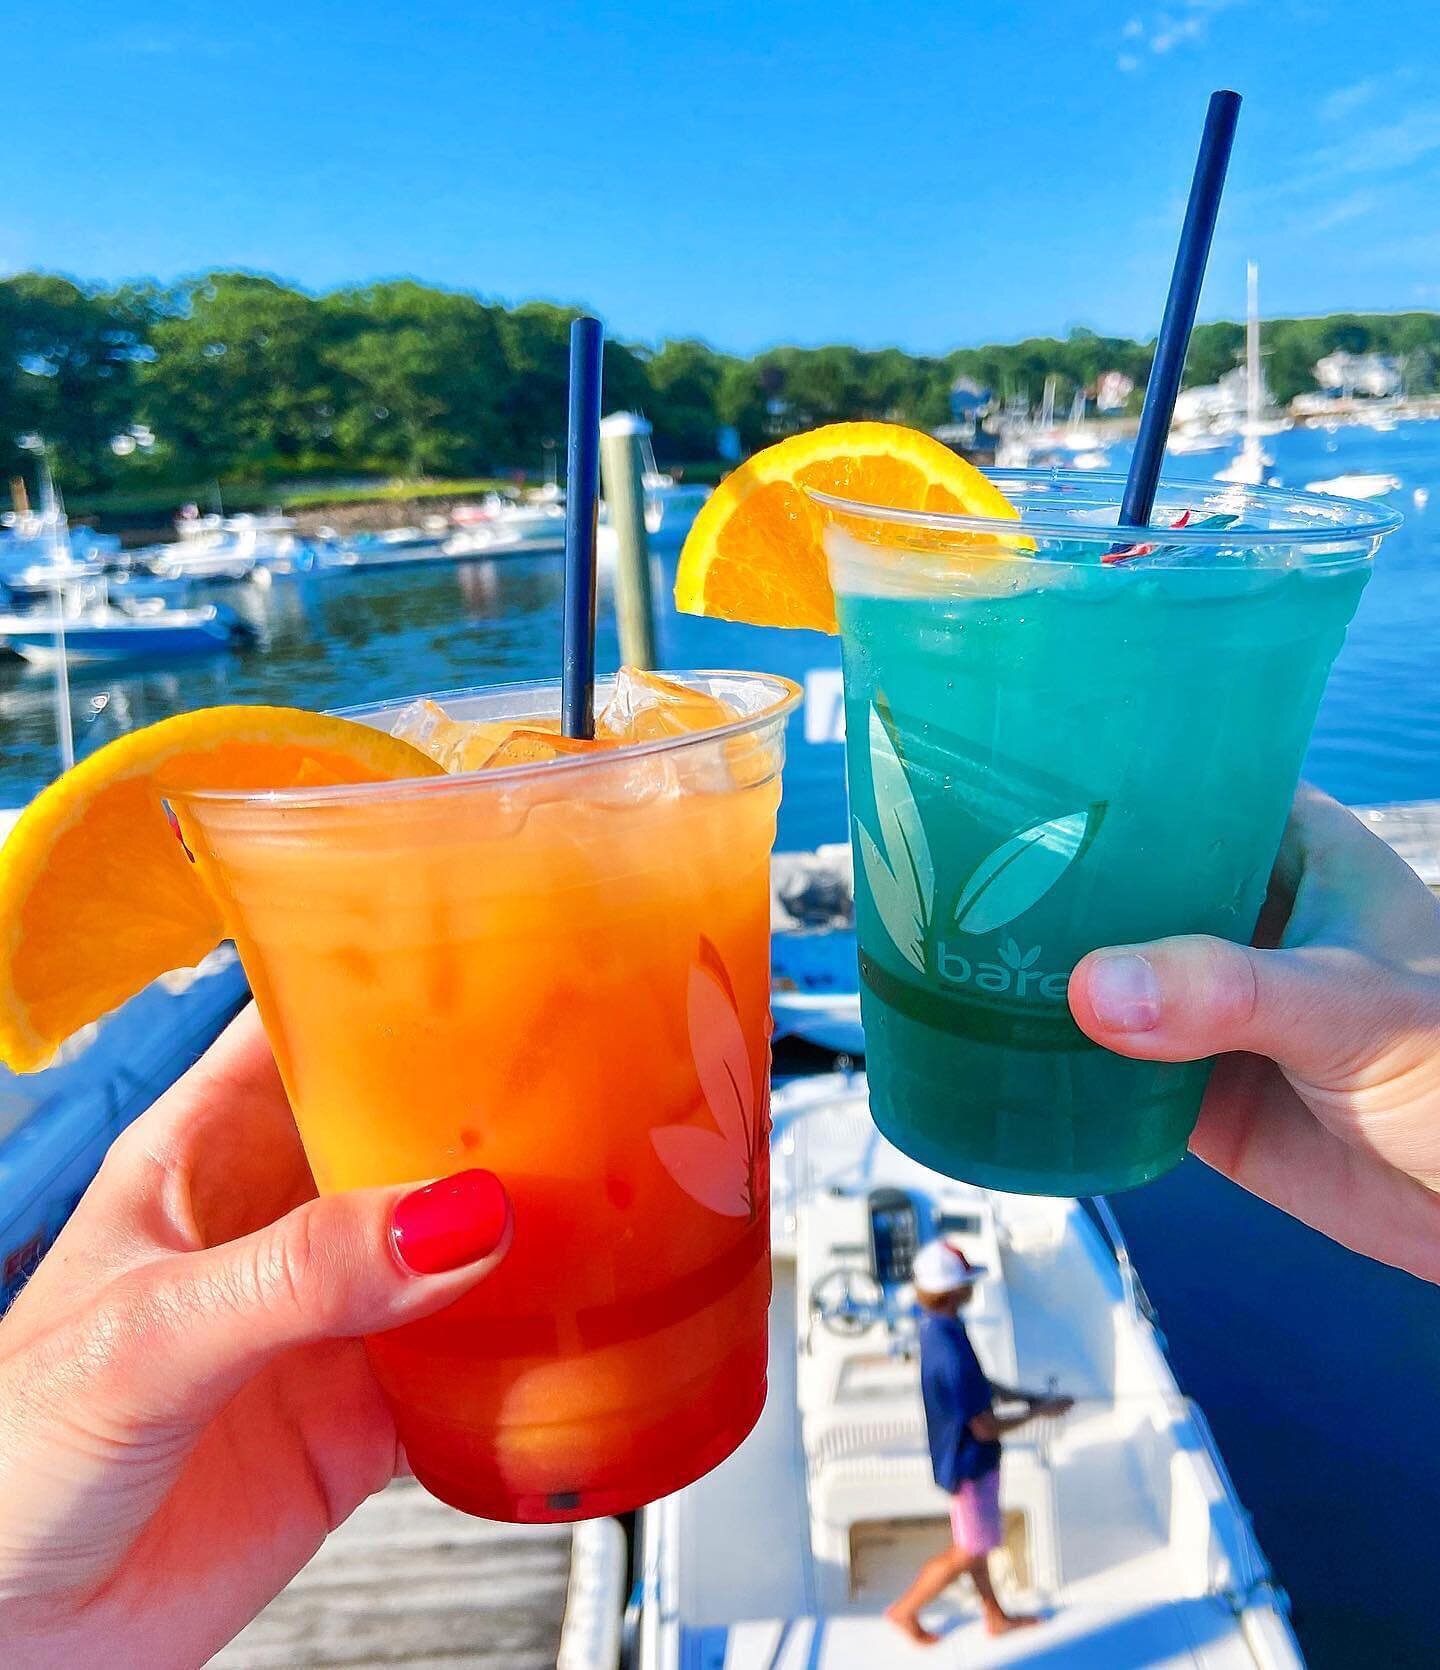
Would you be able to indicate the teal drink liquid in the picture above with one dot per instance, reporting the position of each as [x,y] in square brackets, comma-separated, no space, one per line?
[1049,753]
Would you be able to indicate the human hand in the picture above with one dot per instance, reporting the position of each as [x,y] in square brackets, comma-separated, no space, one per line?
[186,1408]
[1326,1097]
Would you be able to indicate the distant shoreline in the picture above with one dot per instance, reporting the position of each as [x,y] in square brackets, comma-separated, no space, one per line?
[378,506]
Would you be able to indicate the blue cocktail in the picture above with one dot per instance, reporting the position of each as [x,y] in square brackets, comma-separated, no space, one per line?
[1054,745]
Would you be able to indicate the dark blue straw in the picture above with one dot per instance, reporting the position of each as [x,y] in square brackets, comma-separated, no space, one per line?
[582,505]
[1180,305]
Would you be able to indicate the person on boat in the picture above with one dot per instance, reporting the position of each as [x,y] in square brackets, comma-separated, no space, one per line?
[965,1433]
[185,1407]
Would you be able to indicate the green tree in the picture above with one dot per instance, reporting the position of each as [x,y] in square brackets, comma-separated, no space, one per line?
[240,375]
[684,406]
[241,382]
[68,357]
[742,401]
[420,379]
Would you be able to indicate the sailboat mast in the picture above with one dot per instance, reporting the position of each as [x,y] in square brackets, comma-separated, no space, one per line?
[59,533]
[1252,345]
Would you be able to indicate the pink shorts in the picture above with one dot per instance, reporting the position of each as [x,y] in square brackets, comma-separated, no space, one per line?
[975,1514]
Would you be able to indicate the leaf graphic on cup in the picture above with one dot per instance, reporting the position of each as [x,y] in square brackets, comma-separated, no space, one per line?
[715,1168]
[1021,871]
[902,879]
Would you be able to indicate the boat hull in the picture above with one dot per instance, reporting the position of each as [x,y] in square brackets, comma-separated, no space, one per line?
[132,641]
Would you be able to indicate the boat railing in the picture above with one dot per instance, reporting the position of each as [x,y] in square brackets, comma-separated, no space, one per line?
[1254,1578]
[1137,1300]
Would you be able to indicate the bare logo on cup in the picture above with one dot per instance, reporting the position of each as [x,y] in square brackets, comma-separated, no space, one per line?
[1007,972]
[1007,882]
[1022,869]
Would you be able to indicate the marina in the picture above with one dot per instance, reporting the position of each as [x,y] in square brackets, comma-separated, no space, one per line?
[643,757]
[400,628]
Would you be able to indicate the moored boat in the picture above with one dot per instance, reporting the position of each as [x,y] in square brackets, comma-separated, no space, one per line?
[101,631]
[1355,486]
[1122,1529]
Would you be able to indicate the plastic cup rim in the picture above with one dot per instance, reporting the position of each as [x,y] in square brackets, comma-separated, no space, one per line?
[1354,519]
[788,695]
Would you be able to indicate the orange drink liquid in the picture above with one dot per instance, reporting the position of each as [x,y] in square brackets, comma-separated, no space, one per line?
[558,971]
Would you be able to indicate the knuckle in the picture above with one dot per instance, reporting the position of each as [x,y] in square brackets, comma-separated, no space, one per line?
[1221,988]
[294,1271]
[1237,983]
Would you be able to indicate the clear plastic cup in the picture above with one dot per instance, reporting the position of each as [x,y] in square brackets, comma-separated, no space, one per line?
[561,973]
[1050,752]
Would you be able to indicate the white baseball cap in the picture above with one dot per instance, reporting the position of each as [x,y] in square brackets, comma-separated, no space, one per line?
[941,1268]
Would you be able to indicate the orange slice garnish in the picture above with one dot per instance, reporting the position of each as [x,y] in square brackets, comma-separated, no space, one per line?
[97,894]
[754,552]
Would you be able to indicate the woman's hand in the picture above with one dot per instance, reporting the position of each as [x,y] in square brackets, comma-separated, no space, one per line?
[1326,1099]
[186,1408]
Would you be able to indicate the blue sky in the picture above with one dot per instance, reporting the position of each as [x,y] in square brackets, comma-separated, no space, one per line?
[754,172]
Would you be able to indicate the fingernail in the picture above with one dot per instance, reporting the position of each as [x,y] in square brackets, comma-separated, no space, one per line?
[448,1224]
[1124,992]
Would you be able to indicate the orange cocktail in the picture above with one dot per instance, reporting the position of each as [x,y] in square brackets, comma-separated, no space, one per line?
[558,970]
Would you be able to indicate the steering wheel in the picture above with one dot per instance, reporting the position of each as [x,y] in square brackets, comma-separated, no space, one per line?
[847,1301]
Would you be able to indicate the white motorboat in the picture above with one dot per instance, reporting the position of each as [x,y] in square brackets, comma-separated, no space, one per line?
[1026,445]
[670,510]
[1123,1530]
[41,553]
[501,527]
[1355,486]
[1184,442]
[671,507]
[83,625]
[1086,450]
[44,571]
[217,548]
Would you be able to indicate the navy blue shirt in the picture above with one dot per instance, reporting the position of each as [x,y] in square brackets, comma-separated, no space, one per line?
[955,1391]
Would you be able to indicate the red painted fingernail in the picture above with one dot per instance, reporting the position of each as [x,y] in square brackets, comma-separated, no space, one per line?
[448,1224]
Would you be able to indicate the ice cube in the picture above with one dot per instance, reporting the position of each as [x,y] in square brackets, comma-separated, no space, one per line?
[532,745]
[425,725]
[647,708]
[483,740]
[463,744]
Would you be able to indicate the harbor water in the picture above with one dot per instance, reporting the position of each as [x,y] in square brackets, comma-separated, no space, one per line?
[1319,1371]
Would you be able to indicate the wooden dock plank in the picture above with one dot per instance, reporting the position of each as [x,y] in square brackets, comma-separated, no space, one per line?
[1413,829]
[407,1581]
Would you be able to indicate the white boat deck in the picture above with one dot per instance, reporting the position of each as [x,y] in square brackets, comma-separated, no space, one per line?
[772,1561]
[1110,1540]
[1122,1534]
[1191,1635]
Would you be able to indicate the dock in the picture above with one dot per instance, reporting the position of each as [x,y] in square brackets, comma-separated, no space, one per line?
[407,1581]
[1413,829]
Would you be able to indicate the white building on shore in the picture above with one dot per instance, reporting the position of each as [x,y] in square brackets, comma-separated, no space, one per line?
[1371,376]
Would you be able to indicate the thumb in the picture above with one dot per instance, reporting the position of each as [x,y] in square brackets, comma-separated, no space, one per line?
[186,1332]
[1319,1013]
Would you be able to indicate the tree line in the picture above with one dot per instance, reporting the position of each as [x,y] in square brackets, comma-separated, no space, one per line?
[235,376]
